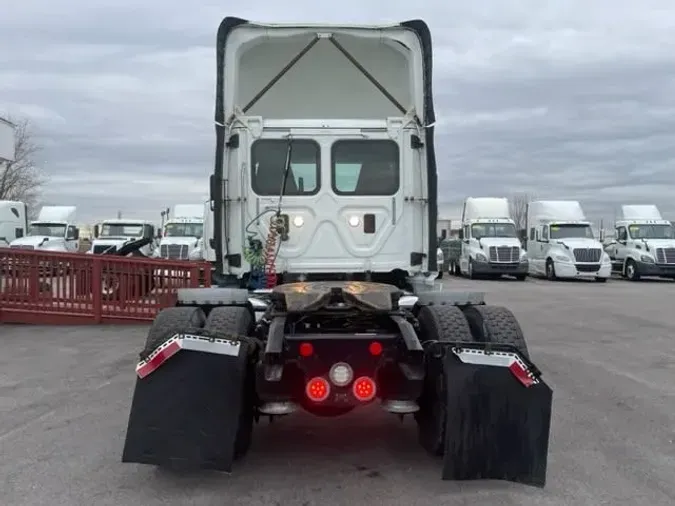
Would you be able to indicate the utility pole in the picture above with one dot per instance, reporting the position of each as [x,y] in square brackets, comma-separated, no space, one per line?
[119,215]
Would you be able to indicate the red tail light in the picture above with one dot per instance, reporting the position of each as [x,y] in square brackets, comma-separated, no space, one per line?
[375,349]
[306,350]
[364,389]
[317,389]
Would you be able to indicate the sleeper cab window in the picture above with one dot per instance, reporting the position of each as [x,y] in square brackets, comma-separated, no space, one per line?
[268,162]
[365,167]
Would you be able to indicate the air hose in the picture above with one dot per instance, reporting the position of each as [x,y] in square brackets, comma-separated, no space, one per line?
[270,253]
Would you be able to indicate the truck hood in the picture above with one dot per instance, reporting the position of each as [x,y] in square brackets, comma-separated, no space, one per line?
[577,242]
[52,243]
[111,241]
[660,243]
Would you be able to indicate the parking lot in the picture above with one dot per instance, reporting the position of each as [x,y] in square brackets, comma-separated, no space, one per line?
[607,350]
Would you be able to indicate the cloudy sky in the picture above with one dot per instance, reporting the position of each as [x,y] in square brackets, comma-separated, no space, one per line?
[565,99]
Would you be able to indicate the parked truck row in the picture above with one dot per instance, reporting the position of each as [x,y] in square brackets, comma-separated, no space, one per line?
[558,243]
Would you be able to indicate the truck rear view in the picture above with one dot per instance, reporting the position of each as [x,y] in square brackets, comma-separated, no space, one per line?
[327,187]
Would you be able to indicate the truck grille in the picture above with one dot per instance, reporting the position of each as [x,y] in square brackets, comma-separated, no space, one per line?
[504,254]
[22,247]
[174,251]
[665,255]
[99,249]
[587,255]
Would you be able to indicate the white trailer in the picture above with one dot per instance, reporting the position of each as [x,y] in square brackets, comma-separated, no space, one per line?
[490,245]
[182,233]
[13,221]
[561,243]
[54,230]
[643,244]
[110,235]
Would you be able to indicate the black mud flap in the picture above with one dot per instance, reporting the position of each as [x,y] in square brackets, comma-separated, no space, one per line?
[496,427]
[185,415]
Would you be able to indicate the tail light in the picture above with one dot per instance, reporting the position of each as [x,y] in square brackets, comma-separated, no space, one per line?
[317,389]
[306,350]
[364,389]
[375,349]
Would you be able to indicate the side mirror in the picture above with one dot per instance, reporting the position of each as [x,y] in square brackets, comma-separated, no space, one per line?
[461,235]
[73,234]
[214,188]
[95,231]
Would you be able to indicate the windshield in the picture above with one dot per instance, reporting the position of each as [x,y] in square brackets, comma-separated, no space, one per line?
[650,231]
[184,230]
[480,230]
[121,230]
[268,159]
[365,167]
[571,231]
[48,229]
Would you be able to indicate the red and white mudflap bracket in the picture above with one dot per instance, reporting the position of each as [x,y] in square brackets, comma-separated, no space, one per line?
[189,342]
[509,359]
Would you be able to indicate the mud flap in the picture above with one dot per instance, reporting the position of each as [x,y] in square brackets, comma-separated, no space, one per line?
[185,415]
[496,427]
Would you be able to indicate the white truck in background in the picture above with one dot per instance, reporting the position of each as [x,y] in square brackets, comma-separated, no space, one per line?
[182,233]
[643,245]
[490,244]
[13,221]
[112,234]
[54,231]
[561,244]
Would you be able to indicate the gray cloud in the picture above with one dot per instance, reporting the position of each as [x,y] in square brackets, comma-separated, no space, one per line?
[558,99]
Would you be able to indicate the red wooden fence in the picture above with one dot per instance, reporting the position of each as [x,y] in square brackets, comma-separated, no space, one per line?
[75,288]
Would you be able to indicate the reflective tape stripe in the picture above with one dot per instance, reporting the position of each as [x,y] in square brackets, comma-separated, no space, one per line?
[186,342]
[508,359]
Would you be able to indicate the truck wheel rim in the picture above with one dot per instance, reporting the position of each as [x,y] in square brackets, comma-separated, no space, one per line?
[630,270]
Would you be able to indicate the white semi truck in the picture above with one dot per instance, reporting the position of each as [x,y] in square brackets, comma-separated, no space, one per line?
[110,235]
[561,244]
[490,245]
[325,182]
[643,244]
[54,230]
[13,221]
[182,233]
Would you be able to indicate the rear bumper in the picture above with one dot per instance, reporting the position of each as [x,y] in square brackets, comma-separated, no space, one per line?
[514,268]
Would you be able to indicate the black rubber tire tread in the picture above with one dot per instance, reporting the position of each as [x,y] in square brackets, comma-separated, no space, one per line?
[238,321]
[496,324]
[442,324]
[170,321]
[235,320]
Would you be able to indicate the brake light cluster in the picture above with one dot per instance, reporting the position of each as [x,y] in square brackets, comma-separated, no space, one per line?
[306,349]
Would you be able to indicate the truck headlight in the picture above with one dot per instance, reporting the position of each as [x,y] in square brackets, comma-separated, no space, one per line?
[605,258]
[562,258]
[480,257]
[646,259]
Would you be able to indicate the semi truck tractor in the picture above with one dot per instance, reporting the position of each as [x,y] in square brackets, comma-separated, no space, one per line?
[53,231]
[561,243]
[182,232]
[643,244]
[13,221]
[324,191]
[489,240]
[111,235]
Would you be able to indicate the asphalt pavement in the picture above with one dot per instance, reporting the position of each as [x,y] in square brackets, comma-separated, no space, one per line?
[607,350]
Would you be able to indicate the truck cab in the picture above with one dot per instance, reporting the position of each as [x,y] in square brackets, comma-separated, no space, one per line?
[643,244]
[490,244]
[13,221]
[182,232]
[328,173]
[53,231]
[110,235]
[561,243]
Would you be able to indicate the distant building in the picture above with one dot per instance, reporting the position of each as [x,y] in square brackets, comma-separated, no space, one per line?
[6,141]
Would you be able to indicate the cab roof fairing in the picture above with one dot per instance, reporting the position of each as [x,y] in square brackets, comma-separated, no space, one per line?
[426,115]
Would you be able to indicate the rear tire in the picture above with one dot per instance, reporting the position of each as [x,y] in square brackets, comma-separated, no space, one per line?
[238,321]
[442,324]
[496,324]
[171,321]
[521,277]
